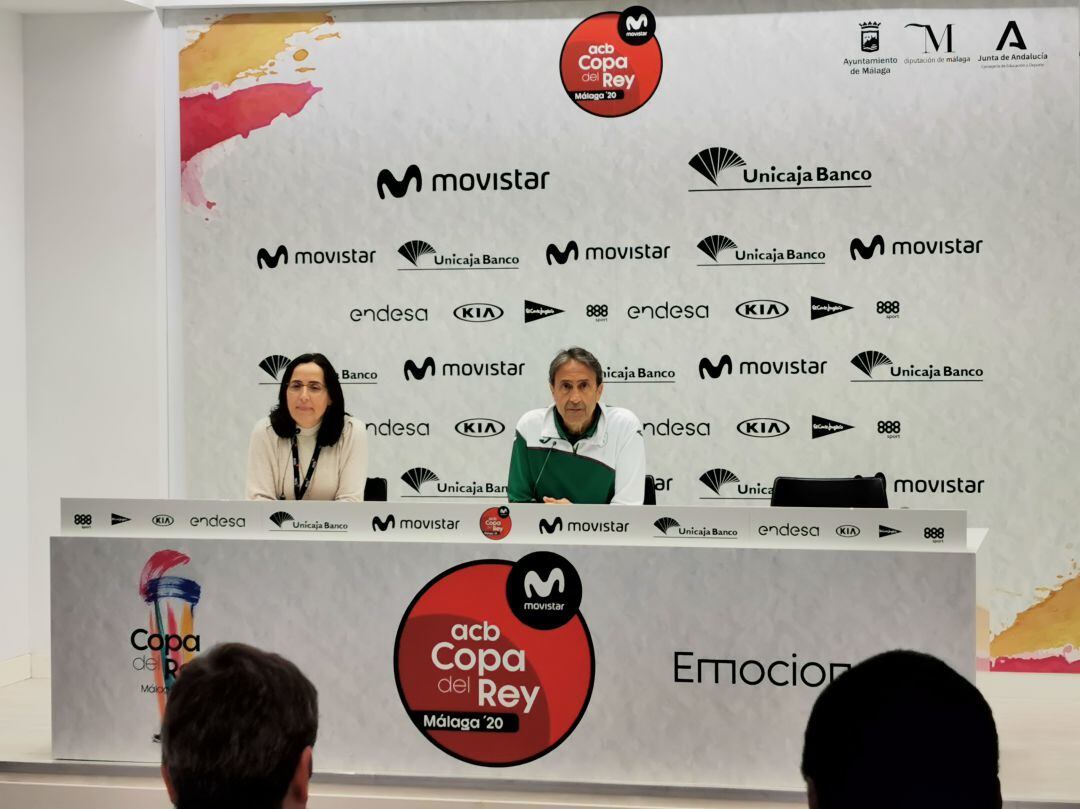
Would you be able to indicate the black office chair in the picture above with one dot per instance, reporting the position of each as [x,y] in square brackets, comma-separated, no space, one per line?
[856,492]
[650,490]
[375,490]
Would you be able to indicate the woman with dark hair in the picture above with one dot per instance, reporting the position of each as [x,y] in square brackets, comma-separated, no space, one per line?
[308,448]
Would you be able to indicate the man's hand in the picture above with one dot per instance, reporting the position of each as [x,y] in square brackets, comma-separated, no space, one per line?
[551,501]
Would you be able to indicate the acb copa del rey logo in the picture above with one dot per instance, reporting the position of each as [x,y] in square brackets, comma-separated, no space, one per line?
[168,641]
[494,661]
[611,62]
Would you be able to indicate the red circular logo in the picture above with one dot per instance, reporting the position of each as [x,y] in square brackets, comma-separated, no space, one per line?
[611,63]
[481,684]
[495,522]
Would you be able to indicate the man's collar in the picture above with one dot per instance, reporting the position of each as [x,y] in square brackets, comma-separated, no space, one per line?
[555,428]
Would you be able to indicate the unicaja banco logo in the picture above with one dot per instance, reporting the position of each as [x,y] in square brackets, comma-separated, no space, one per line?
[714,245]
[706,366]
[168,642]
[274,365]
[264,259]
[417,476]
[867,361]
[715,479]
[413,251]
[664,524]
[279,518]
[709,163]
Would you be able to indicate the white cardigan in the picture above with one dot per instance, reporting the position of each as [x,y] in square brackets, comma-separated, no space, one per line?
[340,474]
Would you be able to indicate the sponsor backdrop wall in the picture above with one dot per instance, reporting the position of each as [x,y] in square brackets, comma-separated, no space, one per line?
[821,243]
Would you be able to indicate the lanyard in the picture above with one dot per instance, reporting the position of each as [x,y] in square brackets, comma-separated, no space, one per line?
[298,490]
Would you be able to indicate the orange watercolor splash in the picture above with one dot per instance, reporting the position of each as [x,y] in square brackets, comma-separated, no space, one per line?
[238,46]
[1050,625]
[243,45]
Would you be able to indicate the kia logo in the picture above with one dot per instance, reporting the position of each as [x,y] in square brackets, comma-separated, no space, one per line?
[162,520]
[847,531]
[763,428]
[761,310]
[479,428]
[478,312]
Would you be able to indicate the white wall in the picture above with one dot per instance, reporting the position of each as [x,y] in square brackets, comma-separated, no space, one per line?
[95,271]
[14,605]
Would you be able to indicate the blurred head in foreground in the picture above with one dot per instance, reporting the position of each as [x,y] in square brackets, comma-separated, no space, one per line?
[238,730]
[901,729]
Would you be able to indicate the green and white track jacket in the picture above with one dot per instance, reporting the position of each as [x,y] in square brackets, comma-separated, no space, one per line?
[606,465]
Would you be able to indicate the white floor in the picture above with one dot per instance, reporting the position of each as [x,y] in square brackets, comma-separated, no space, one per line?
[1038,718]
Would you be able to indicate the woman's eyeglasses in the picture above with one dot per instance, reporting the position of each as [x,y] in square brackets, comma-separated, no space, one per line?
[313,388]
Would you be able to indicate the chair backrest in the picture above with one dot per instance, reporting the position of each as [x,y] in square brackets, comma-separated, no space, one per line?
[650,490]
[856,492]
[375,489]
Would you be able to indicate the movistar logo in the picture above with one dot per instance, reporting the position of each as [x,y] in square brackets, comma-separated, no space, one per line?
[383,525]
[865,251]
[563,255]
[705,366]
[414,371]
[264,259]
[534,585]
[551,527]
[386,181]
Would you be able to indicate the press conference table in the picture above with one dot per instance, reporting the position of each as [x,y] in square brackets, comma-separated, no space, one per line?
[444,643]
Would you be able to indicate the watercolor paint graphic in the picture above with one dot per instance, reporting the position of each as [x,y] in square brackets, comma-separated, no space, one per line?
[1045,637]
[240,49]
[172,600]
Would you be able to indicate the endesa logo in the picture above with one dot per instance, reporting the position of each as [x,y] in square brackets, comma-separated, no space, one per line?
[218,521]
[412,178]
[169,640]
[669,311]
[789,530]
